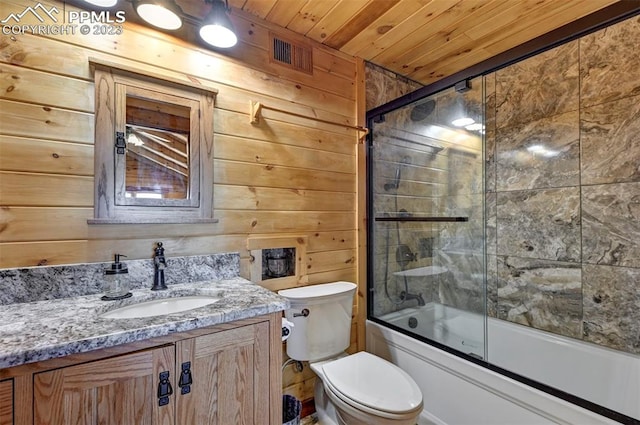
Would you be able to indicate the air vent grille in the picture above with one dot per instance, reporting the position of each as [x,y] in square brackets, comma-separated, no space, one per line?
[282,51]
[295,56]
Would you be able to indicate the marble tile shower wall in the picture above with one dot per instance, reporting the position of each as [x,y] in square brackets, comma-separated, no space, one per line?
[384,86]
[563,189]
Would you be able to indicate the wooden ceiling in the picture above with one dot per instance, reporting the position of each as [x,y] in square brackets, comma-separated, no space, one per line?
[424,40]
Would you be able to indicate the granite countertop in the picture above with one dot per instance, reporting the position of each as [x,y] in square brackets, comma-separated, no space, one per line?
[43,330]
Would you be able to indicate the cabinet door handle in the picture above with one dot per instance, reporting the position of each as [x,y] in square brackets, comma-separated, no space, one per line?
[164,389]
[186,379]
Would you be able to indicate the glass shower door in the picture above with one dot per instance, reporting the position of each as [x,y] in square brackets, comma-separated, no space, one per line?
[426,214]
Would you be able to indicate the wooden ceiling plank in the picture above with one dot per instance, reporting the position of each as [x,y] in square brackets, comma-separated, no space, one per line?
[458,60]
[554,19]
[449,66]
[436,33]
[516,16]
[441,42]
[157,157]
[336,18]
[370,43]
[359,22]
[149,159]
[164,141]
[541,20]
[498,19]
[546,17]
[259,8]
[284,11]
[310,14]
[458,44]
[393,18]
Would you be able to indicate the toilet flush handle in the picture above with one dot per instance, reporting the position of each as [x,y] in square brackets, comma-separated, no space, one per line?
[303,313]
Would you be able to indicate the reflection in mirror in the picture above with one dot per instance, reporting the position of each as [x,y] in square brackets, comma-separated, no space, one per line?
[157,157]
[153,148]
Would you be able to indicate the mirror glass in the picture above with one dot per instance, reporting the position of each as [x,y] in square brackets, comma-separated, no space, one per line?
[157,155]
[153,148]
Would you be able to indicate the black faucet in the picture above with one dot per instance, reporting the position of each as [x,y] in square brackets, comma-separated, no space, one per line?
[406,296]
[159,264]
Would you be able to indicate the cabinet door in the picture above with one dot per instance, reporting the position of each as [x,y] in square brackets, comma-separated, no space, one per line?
[121,390]
[230,374]
[6,402]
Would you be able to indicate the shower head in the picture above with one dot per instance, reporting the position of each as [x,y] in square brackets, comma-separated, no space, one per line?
[422,110]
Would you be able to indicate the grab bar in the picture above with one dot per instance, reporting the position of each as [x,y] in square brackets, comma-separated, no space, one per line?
[422,219]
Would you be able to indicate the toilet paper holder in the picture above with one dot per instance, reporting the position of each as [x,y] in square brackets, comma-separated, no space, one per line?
[287,327]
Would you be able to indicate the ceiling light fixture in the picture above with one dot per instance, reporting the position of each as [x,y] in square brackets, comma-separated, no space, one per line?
[165,14]
[217,29]
[102,3]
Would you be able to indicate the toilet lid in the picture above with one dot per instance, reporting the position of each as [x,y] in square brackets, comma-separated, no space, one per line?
[373,382]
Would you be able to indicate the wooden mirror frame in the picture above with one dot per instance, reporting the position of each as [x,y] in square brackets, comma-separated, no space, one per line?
[112,83]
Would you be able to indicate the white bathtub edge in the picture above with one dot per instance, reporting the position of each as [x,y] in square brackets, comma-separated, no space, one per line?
[426,418]
[538,402]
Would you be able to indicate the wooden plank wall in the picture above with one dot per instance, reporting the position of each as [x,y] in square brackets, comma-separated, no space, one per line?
[286,176]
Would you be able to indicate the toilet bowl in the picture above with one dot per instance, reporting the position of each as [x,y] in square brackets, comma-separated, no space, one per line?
[367,390]
[356,389]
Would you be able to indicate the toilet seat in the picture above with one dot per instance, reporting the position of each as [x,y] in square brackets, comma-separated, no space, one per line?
[344,403]
[373,385]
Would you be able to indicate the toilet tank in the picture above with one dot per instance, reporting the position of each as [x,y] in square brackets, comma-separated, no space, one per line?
[325,331]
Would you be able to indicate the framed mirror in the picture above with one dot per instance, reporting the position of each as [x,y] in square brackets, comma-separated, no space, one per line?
[153,148]
[159,164]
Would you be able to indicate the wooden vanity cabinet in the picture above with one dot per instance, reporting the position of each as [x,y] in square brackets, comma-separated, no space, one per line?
[227,374]
[6,402]
[230,375]
[119,390]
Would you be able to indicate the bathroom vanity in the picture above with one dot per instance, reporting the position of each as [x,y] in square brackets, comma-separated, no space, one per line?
[62,361]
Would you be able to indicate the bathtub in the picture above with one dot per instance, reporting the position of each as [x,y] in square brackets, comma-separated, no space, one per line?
[457,391]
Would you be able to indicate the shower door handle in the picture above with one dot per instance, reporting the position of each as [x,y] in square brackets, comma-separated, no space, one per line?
[422,219]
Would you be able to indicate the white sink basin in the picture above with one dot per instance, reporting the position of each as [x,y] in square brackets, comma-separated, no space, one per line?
[159,307]
[422,271]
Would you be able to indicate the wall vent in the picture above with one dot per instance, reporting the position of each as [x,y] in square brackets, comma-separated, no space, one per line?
[293,55]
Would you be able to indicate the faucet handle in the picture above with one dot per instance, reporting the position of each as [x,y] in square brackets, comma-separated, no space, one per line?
[160,263]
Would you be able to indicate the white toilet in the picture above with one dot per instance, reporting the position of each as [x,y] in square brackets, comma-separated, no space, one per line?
[357,389]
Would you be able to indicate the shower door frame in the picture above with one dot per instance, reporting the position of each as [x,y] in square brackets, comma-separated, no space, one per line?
[574,30]
[371,220]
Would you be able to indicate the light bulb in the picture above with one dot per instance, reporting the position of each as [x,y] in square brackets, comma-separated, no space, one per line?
[218,36]
[102,3]
[159,16]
